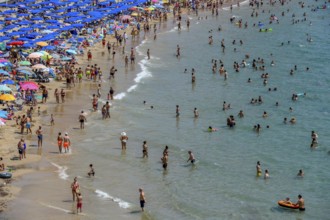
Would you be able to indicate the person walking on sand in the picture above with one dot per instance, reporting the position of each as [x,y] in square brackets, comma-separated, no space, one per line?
[142,199]
[75,188]
[66,142]
[60,141]
[57,95]
[20,147]
[39,134]
[123,140]
[62,95]
[82,120]
[79,202]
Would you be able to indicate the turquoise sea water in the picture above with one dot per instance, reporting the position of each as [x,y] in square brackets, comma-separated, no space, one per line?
[223,184]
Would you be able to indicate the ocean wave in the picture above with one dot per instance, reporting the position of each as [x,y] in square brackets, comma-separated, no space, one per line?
[120,96]
[121,203]
[61,171]
[132,88]
[144,71]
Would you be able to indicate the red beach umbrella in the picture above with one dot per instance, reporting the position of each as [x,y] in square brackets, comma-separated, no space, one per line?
[15,43]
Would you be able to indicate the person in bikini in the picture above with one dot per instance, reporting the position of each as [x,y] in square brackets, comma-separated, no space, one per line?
[60,142]
[74,188]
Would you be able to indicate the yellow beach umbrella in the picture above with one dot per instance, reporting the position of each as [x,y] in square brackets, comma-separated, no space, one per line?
[42,43]
[7,97]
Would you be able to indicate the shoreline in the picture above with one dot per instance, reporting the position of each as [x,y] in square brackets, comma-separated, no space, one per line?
[45,117]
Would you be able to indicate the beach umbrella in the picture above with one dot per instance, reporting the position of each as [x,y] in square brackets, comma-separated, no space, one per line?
[3,114]
[24,63]
[8,82]
[126,17]
[39,66]
[42,43]
[49,47]
[15,43]
[7,97]
[56,56]
[29,73]
[3,72]
[66,58]
[35,55]
[29,85]
[71,51]
[4,61]
[47,31]
[4,88]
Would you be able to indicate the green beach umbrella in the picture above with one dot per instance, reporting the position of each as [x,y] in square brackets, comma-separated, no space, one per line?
[24,63]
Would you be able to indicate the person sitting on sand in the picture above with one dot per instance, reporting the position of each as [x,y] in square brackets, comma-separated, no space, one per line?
[2,166]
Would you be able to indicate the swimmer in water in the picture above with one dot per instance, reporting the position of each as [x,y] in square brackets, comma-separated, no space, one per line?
[196,114]
[266,176]
[259,172]
[191,157]
[211,129]
[300,173]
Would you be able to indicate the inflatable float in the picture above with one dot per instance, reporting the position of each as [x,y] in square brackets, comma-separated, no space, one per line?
[5,175]
[266,30]
[285,204]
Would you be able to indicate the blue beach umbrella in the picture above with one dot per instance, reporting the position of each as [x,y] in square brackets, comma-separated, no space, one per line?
[3,114]
[49,47]
[71,51]
[3,72]
[8,82]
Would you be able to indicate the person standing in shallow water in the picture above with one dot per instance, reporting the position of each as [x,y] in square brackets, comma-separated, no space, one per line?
[123,140]
[258,167]
[142,199]
[82,120]
[145,149]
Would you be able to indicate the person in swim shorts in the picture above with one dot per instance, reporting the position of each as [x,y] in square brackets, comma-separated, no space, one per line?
[191,157]
[142,199]
[66,142]
[40,136]
[79,202]
[301,203]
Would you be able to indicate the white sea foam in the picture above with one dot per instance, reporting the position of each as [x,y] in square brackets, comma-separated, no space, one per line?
[106,196]
[61,171]
[120,96]
[132,88]
[144,71]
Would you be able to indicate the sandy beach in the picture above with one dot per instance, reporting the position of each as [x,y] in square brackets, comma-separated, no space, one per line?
[41,182]
[32,174]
